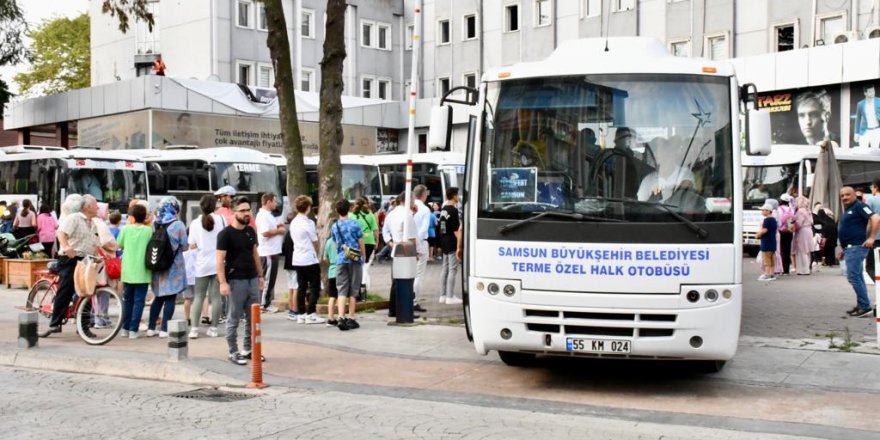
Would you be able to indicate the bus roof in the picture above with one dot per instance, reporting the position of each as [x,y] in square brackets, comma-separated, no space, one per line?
[790,154]
[31,152]
[209,155]
[594,56]
[438,157]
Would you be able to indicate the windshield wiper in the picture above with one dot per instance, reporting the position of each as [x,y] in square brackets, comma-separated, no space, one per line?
[571,215]
[701,232]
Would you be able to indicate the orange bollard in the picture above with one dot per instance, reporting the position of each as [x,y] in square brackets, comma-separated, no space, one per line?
[256,349]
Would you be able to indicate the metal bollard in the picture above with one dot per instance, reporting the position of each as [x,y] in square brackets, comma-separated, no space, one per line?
[27,330]
[177,340]
[256,349]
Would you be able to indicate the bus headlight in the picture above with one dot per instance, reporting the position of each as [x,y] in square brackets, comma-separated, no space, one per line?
[711,295]
[726,293]
[693,296]
[509,290]
[480,286]
[493,289]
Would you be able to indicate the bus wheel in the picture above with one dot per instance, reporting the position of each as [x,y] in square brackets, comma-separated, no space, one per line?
[710,366]
[752,251]
[517,359]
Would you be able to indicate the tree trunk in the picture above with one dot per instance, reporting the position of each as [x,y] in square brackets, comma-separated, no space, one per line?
[279,50]
[331,137]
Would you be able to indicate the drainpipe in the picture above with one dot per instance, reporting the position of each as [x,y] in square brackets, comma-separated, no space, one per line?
[297,18]
[813,31]
[482,44]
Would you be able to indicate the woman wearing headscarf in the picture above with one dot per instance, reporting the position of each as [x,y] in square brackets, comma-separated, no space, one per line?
[802,244]
[168,283]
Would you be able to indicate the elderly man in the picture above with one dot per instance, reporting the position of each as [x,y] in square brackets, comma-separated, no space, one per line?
[858,220]
[77,237]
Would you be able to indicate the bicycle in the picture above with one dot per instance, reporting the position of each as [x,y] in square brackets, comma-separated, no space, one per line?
[98,317]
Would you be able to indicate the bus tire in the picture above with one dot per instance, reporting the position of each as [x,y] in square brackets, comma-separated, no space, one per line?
[710,367]
[516,359]
[752,251]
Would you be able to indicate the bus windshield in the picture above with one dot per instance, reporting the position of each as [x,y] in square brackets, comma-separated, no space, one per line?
[247,177]
[768,181]
[111,186]
[592,144]
[360,181]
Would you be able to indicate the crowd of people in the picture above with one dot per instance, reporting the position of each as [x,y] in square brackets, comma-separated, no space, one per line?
[797,238]
[227,258]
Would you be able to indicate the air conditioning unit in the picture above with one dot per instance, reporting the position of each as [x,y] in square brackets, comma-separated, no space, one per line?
[872,32]
[846,37]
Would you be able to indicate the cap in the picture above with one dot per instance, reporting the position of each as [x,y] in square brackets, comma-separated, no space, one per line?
[767,207]
[225,191]
[785,198]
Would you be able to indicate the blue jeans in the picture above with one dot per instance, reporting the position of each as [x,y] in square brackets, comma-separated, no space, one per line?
[164,304]
[855,261]
[134,296]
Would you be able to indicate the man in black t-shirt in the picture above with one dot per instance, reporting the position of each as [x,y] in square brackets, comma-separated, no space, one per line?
[449,232]
[238,269]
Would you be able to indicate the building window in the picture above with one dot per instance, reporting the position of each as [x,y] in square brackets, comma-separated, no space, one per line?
[785,36]
[307,80]
[384,36]
[591,8]
[244,72]
[830,27]
[410,31]
[470,80]
[307,23]
[367,33]
[680,48]
[367,87]
[384,89]
[717,47]
[443,32]
[623,5]
[265,75]
[511,18]
[542,13]
[262,21]
[244,14]
[443,86]
[469,31]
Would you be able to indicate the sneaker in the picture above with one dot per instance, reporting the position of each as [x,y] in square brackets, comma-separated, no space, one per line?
[194,333]
[343,325]
[222,320]
[764,277]
[212,332]
[852,311]
[301,318]
[152,333]
[332,322]
[163,334]
[453,300]
[291,315]
[100,323]
[123,333]
[863,313]
[419,308]
[352,324]
[442,299]
[237,359]
[248,355]
[132,335]
[315,319]
[272,309]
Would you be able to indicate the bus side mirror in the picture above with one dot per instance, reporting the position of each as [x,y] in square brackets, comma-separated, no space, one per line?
[440,130]
[758,132]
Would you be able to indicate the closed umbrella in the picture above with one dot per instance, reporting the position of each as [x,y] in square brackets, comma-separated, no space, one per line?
[827,181]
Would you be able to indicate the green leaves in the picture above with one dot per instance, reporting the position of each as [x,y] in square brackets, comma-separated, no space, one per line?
[60,57]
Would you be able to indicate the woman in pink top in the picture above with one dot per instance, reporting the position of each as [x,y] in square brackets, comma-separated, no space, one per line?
[46,228]
[25,221]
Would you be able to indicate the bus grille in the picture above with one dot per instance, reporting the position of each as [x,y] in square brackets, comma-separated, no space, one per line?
[628,325]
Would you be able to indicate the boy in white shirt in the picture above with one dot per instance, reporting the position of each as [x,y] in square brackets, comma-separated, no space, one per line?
[270,235]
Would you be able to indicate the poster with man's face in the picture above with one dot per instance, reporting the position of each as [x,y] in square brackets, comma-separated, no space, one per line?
[803,116]
[864,110]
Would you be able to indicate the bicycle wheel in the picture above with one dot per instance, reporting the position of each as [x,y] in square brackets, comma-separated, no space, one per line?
[99,317]
[41,299]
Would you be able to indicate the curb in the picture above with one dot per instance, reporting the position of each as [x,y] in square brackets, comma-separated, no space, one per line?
[134,366]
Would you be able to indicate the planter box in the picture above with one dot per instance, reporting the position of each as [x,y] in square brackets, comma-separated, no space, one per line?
[3,269]
[21,273]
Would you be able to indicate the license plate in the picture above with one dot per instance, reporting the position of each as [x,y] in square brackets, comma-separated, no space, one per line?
[752,241]
[597,345]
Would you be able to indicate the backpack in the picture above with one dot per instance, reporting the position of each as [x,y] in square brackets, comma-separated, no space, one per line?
[160,255]
[786,220]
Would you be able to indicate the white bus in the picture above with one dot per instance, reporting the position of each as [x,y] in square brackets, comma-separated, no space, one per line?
[604,216]
[360,177]
[436,170]
[48,174]
[188,172]
[791,167]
